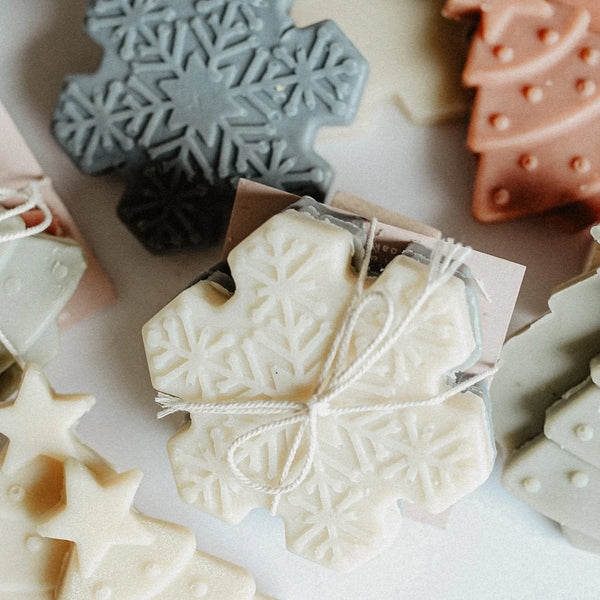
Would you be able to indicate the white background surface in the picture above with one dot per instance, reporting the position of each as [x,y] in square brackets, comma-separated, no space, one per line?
[493,547]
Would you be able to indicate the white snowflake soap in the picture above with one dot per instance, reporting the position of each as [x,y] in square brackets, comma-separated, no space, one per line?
[68,527]
[320,393]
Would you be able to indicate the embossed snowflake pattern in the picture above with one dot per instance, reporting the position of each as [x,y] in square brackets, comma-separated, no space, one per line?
[346,509]
[211,90]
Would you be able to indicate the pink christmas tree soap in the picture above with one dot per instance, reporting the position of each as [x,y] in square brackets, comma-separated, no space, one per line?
[536,117]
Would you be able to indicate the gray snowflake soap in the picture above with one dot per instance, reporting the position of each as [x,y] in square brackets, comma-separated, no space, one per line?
[323,386]
[193,94]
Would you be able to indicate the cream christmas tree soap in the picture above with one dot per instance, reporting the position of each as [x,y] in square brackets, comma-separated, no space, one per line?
[68,527]
[415,57]
[324,387]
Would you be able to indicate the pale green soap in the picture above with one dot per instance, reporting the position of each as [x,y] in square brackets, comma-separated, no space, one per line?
[574,421]
[544,361]
[557,484]
[38,275]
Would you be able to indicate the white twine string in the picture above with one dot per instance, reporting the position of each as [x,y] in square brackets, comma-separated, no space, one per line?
[31,197]
[335,378]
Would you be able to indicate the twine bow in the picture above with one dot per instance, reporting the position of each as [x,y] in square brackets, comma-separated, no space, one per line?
[336,377]
[30,196]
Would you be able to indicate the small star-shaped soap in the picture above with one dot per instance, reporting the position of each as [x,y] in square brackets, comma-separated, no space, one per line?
[96,515]
[497,14]
[39,421]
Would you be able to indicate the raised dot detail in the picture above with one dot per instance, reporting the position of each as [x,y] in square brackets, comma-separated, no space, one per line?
[501,197]
[59,271]
[12,285]
[549,36]
[504,53]
[33,543]
[199,589]
[500,122]
[579,479]
[531,485]
[585,87]
[533,93]
[152,570]
[102,592]
[584,432]
[590,55]
[529,162]
[16,493]
[580,164]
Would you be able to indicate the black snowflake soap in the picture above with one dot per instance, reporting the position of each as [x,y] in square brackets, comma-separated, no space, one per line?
[193,94]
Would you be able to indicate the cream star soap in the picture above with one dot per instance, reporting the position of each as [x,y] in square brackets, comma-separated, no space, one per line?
[38,425]
[415,57]
[324,416]
[119,553]
[69,529]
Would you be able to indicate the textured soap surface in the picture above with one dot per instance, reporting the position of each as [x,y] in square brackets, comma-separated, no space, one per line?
[196,93]
[558,472]
[68,526]
[535,65]
[268,341]
[545,360]
[38,276]
[415,57]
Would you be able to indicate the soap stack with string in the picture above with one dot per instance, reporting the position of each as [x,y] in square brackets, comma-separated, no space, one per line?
[69,527]
[546,402]
[324,385]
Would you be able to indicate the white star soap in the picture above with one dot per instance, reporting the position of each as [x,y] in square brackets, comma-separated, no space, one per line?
[96,516]
[67,526]
[39,422]
[122,554]
[545,360]
[38,275]
[415,56]
[266,344]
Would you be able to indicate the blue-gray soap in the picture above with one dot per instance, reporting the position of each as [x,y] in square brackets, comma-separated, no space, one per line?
[193,94]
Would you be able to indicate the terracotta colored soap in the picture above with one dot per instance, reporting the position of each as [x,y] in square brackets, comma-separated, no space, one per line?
[69,529]
[263,335]
[536,67]
[194,94]
[415,57]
